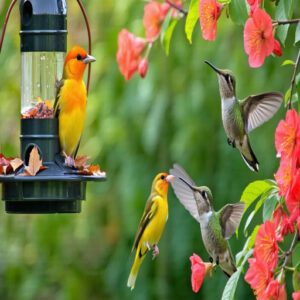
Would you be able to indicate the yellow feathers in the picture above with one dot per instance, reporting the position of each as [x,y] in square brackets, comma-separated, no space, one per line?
[151,225]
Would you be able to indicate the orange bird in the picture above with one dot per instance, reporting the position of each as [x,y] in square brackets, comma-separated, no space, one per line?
[70,102]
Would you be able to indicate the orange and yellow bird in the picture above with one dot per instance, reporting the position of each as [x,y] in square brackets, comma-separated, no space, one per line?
[151,225]
[70,103]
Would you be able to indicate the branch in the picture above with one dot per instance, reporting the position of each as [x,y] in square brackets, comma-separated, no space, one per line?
[285,22]
[292,84]
[290,251]
[180,9]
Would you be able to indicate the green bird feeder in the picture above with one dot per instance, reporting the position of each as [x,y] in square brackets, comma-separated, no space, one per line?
[57,189]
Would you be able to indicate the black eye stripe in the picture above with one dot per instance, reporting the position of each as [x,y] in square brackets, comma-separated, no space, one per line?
[162,177]
[79,57]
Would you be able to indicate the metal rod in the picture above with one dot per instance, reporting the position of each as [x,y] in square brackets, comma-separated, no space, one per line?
[89,41]
[11,6]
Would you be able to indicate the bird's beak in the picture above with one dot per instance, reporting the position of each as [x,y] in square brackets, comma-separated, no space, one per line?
[89,59]
[170,178]
[220,72]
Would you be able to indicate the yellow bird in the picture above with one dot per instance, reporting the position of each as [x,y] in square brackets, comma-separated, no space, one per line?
[151,225]
[70,103]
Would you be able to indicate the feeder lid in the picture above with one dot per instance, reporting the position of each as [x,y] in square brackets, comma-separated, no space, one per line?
[45,7]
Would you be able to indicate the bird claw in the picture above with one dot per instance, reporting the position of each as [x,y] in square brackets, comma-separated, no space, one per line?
[230,142]
[211,259]
[69,161]
[155,251]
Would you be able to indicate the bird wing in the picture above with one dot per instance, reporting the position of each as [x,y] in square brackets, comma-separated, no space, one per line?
[184,193]
[149,213]
[230,217]
[59,84]
[258,109]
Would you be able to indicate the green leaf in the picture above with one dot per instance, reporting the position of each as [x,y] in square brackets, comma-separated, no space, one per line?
[255,190]
[238,11]
[288,62]
[269,206]
[296,278]
[168,36]
[229,290]
[224,1]
[297,33]
[283,12]
[191,19]
[296,255]
[165,26]
[287,96]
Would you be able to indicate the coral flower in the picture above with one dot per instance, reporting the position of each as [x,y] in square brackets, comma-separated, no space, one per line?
[199,269]
[129,53]
[266,248]
[275,291]
[209,13]
[154,14]
[258,37]
[287,134]
[258,276]
[293,195]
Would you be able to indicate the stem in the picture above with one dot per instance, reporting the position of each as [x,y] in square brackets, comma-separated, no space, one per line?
[180,9]
[292,84]
[285,22]
[290,251]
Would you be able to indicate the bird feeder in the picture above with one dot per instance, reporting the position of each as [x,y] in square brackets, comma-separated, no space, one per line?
[56,189]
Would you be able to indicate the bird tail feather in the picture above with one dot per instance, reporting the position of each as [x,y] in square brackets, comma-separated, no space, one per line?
[135,268]
[249,156]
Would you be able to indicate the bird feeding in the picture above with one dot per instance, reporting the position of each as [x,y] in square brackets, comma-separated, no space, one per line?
[40,181]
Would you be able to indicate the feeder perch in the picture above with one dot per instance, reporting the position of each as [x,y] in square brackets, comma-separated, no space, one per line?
[57,189]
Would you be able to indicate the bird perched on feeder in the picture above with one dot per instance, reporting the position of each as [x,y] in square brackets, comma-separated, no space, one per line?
[216,227]
[70,102]
[151,225]
[241,117]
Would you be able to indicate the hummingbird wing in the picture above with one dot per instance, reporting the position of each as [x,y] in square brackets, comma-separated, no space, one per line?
[258,109]
[181,185]
[230,217]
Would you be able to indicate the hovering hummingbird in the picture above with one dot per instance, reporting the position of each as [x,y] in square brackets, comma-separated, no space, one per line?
[216,227]
[241,117]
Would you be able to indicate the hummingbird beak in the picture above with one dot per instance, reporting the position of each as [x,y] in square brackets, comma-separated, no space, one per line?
[190,186]
[170,178]
[89,59]
[214,68]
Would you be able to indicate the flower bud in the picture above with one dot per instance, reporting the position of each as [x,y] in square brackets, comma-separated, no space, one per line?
[143,67]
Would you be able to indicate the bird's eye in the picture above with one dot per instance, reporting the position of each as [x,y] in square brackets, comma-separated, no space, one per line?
[79,57]
[162,177]
[204,194]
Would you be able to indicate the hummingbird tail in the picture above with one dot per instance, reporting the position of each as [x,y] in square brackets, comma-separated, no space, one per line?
[248,155]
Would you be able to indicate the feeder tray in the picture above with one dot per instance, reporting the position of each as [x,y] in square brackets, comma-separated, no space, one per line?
[56,189]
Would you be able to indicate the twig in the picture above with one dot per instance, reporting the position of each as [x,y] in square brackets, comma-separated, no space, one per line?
[180,9]
[290,251]
[292,85]
[285,22]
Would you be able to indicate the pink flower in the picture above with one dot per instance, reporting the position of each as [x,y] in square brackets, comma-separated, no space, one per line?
[209,13]
[296,295]
[287,134]
[154,14]
[258,276]
[277,48]
[293,195]
[254,4]
[129,53]
[258,37]
[284,175]
[199,269]
[143,67]
[275,291]
[266,248]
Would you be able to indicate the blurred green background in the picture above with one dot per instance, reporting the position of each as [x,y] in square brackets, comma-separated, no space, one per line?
[134,130]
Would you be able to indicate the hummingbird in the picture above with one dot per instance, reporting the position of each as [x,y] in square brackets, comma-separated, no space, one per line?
[240,117]
[216,227]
